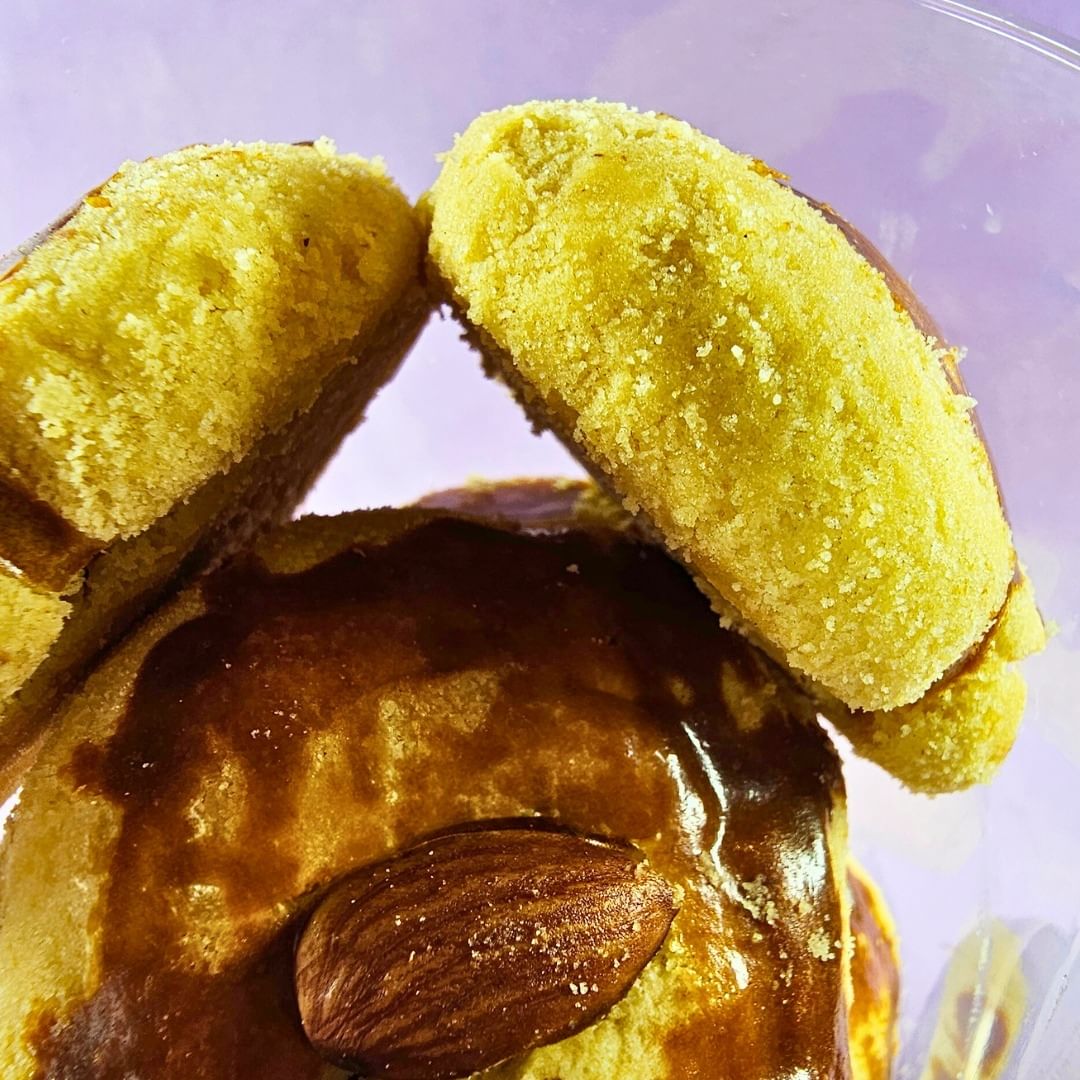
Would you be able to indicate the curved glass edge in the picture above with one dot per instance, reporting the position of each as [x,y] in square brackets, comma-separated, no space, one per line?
[1057,47]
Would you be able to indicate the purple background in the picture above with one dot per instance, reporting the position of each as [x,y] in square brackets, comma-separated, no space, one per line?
[1060,17]
[952,140]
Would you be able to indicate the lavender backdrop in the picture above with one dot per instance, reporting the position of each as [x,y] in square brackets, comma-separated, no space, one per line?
[1058,17]
[951,138]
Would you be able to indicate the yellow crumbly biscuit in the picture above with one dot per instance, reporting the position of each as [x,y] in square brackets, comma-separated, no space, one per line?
[722,358]
[178,357]
[961,730]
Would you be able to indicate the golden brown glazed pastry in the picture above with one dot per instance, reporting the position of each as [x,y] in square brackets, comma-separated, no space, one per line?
[363,682]
[875,969]
[179,355]
[725,360]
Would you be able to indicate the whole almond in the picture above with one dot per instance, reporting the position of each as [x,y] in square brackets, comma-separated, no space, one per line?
[475,947]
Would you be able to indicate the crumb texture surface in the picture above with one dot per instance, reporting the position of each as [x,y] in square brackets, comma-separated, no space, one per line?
[962,729]
[193,303]
[721,355]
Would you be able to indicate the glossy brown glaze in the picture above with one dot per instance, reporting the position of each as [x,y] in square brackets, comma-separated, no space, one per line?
[875,979]
[607,712]
[1000,1039]
[40,543]
[537,505]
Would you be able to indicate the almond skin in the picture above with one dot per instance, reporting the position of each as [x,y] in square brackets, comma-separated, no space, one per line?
[473,948]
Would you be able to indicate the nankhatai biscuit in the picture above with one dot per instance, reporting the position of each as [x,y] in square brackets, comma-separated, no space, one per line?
[534,739]
[726,360]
